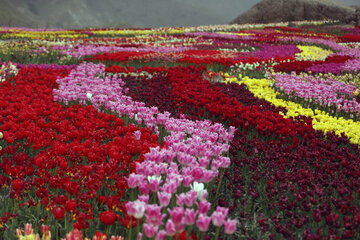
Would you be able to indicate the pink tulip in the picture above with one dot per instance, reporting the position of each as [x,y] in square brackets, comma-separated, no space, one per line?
[164,198]
[203,223]
[218,217]
[139,209]
[160,235]
[154,185]
[181,226]
[136,209]
[137,135]
[180,199]
[225,161]
[204,162]
[190,198]
[190,216]
[197,173]
[230,226]
[150,230]
[144,187]
[133,180]
[187,180]
[208,175]
[130,208]
[203,195]
[204,207]
[170,228]
[153,214]
[144,198]
[215,165]
[177,215]
[185,159]
[170,187]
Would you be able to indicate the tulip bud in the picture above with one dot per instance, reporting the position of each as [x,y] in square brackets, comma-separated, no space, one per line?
[59,213]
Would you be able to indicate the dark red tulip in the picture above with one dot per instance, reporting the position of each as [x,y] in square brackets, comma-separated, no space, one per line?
[70,205]
[59,213]
[17,185]
[108,217]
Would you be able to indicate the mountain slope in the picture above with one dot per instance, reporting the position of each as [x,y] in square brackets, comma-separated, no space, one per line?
[293,10]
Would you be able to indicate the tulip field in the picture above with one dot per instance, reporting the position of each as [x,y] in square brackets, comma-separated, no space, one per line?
[211,132]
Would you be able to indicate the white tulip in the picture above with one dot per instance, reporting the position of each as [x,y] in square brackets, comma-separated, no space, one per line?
[89,96]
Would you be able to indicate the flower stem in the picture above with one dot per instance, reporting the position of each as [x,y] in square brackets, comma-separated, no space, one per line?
[200,235]
[221,177]
[130,228]
[217,233]
[138,227]
[132,194]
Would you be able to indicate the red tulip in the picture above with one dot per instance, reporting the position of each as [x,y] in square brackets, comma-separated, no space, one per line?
[108,217]
[17,185]
[102,199]
[70,205]
[59,213]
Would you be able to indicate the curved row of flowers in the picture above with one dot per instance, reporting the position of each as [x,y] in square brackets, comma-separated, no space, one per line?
[321,120]
[192,158]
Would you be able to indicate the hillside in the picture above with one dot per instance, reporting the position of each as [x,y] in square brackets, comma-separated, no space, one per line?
[268,11]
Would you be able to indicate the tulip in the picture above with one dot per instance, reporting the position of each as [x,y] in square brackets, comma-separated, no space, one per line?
[150,230]
[218,217]
[46,232]
[190,198]
[137,135]
[190,216]
[177,215]
[230,226]
[199,188]
[160,235]
[153,214]
[164,198]
[203,223]
[59,213]
[136,209]
[144,188]
[100,236]
[187,180]
[170,228]
[74,235]
[89,96]
[70,205]
[133,180]
[28,229]
[180,199]
[107,218]
[204,207]
[144,198]
[154,184]
[17,185]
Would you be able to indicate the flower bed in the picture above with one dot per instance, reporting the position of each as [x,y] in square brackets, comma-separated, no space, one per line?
[180,133]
